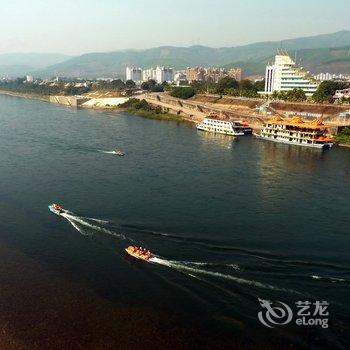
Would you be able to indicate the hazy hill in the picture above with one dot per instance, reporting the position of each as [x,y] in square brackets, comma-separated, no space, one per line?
[333,60]
[317,52]
[18,64]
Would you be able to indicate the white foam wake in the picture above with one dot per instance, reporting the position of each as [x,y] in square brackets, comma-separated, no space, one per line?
[196,263]
[106,152]
[332,279]
[180,266]
[77,227]
[97,220]
[77,220]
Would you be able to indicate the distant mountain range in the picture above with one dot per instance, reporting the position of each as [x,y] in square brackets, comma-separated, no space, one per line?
[19,64]
[327,52]
[333,60]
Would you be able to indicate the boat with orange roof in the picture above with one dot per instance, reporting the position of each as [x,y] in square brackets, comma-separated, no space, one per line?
[296,131]
[139,252]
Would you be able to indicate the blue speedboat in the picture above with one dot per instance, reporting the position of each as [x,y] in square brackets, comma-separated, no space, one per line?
[56,209]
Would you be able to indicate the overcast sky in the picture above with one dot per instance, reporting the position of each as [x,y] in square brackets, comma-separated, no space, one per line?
[79,26]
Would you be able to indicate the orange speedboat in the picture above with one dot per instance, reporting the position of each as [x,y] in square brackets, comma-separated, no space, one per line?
[138,252]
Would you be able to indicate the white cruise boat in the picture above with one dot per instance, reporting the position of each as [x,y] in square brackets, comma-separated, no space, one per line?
[296,131]
[224,127]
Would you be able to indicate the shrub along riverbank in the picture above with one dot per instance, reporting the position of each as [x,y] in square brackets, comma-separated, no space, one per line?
[144,109]
[343,137]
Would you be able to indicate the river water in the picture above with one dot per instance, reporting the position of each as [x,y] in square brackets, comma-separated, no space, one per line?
[229,222]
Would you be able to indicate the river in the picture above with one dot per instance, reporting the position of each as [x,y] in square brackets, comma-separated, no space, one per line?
[230,222]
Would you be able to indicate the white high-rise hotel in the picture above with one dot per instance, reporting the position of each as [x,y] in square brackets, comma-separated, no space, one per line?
[285,75]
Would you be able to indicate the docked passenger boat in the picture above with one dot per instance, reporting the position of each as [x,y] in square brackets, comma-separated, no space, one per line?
[235,128]
[139,253]
[296,131]
[56,209]
[243,127]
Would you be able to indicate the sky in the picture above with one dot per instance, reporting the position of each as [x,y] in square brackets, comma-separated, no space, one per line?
[78,26]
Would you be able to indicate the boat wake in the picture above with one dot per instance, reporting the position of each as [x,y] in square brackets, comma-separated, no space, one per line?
[212,270]
[107,152]
[191,269]
[329,279]
[83,224]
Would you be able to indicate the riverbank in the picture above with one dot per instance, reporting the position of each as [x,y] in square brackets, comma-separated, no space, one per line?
[342,139]
[144,109]
[145,113]
[45,98]
[153,115]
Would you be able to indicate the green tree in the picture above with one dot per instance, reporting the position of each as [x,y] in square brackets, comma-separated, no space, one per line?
[275,95]
[296,95]
[259,85]
[226,83]
[145,85]
[343,136]
[148,85]
[200,86]
[183,92]
[326,90]
[129,84]
[232,92]
[157,88]
[246,84]
[116,84]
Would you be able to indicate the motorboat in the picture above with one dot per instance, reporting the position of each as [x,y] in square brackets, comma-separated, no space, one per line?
[119,152]
[56,209]
[139,253]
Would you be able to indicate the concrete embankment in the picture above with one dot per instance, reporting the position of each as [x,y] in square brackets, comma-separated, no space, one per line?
[173,106]
[247,109]
[88,102]
[196,111]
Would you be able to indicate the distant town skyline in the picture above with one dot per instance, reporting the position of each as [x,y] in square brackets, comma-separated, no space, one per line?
[86,26]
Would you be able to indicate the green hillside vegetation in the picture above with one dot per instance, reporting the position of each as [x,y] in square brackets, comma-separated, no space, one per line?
[326,90]
[231,87]
[334,60]
[144,109]
[19,64]
[182,92]
[343,137]
[252,58]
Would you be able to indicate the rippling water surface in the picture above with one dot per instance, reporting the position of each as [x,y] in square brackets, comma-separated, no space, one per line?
[228,221]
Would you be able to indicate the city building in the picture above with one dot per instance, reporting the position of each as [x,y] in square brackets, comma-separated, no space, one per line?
[212,75]
[134,74]
[330,76]
[235,73]
[285,75]
[29,79]
[164,74]
[345,93]
[195,73]
[148,74]
[180,76]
